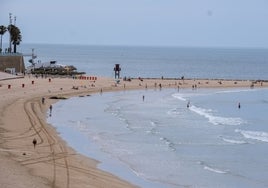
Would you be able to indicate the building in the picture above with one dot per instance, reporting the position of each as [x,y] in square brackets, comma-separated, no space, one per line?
[12,63]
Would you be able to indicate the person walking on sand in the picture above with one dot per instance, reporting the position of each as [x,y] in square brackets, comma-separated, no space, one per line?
[34,142]
[43,100]
[50,109]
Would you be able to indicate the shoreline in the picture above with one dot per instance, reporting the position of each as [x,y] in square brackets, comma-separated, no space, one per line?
[52,163]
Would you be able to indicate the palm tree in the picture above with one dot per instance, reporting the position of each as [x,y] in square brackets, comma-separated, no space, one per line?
[3,29]
[15,36]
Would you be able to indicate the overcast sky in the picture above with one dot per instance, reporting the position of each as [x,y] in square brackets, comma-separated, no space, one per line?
[200,23]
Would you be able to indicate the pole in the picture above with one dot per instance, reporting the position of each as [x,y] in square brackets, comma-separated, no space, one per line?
[10,23]
[33,59]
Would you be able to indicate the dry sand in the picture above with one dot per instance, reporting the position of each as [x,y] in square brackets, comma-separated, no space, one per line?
[52,163]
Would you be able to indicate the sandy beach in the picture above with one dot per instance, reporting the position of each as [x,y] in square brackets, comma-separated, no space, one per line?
[51,163]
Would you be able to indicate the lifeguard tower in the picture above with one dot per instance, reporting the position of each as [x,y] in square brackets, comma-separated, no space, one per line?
[117,70]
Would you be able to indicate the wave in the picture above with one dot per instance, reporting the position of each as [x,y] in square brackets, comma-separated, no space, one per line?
[216,120]
[179,96]
[234,141]
[212,169]
[234,91]
[215,170]
[255,135]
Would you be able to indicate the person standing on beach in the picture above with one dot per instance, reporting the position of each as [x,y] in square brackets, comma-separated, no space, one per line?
[160,86]
[239,105]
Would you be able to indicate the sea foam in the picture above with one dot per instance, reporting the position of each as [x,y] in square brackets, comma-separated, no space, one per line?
[216,120]
[212,169]
[256,135]
[179,96]
[215,170]
[232,141]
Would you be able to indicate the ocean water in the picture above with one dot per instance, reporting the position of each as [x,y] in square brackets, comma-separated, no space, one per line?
[171,62]
[159,142]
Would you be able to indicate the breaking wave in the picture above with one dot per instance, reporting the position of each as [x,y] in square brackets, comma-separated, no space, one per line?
[215,170]
[255,135]
[179,96]
[232,141]
[212,169]
[216,120]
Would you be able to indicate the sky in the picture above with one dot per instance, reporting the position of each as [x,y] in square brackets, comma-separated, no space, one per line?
[184,23]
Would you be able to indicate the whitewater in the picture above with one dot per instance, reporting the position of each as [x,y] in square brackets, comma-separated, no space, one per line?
[160,142]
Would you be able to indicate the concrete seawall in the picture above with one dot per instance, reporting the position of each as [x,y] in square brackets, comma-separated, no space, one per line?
[10,61]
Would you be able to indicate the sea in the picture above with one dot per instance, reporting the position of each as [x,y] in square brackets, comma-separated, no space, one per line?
[155,62]
[159,142]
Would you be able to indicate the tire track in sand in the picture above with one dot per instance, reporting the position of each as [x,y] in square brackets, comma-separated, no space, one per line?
[57,152]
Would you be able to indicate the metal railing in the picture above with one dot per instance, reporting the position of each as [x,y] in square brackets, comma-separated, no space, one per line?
[10,54]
